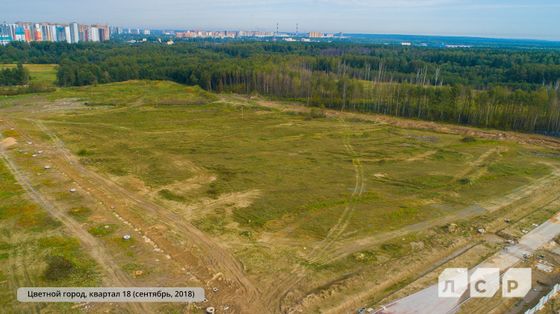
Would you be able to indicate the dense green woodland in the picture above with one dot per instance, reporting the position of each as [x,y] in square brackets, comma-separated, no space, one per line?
[498,88]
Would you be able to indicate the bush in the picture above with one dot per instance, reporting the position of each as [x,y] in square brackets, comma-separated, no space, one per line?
[316,113]
[102,230]
[468,139]
[80,213]
[58,267]
[26,89]
[168,195]
[83,152]
[40,87]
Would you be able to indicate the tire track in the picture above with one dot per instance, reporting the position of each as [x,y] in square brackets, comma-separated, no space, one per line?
[317,255]
[212,256]
[346,248]
[344,220]
[22,259]
[113,274]
[479,162]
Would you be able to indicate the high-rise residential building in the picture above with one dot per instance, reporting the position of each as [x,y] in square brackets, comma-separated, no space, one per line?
[116,30]
[5,34]
[67,34]
[104,33]
[45,31]
[70,33]
[93,34]
[60,33]
[316,35]
[74,33]
[37,34]
[28,37]
[5,39]
[83,33]
[26,31]
[52,30]
[8,30]
[19,33]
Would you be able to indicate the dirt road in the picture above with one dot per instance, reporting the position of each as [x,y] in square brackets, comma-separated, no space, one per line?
[113,275]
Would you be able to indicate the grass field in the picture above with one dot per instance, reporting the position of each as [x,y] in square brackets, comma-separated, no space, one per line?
[300,169]
[288,192]
[40,73]
[33,246]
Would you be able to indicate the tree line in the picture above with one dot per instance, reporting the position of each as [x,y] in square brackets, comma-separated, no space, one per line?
[497,88]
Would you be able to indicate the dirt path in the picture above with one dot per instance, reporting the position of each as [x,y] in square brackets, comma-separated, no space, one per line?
[114,276]
[202,253]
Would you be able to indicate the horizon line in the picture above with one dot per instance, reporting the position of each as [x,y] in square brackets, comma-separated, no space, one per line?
[473,36]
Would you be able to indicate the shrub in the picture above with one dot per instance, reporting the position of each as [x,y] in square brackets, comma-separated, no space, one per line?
[168,195]
[58,267]
[468,139]
[316,113]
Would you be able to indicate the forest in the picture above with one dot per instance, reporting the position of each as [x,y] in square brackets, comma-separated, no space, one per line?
[509,89]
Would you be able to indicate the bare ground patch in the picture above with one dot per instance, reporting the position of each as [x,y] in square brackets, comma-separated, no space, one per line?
[7,142]
[228,201]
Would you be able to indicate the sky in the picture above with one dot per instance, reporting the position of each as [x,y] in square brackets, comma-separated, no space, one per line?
[537,19]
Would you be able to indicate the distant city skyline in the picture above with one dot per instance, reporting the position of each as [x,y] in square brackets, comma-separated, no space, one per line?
[536,19]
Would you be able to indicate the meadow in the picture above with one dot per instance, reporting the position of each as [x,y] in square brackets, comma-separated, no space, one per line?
[292,193]
[294,171]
